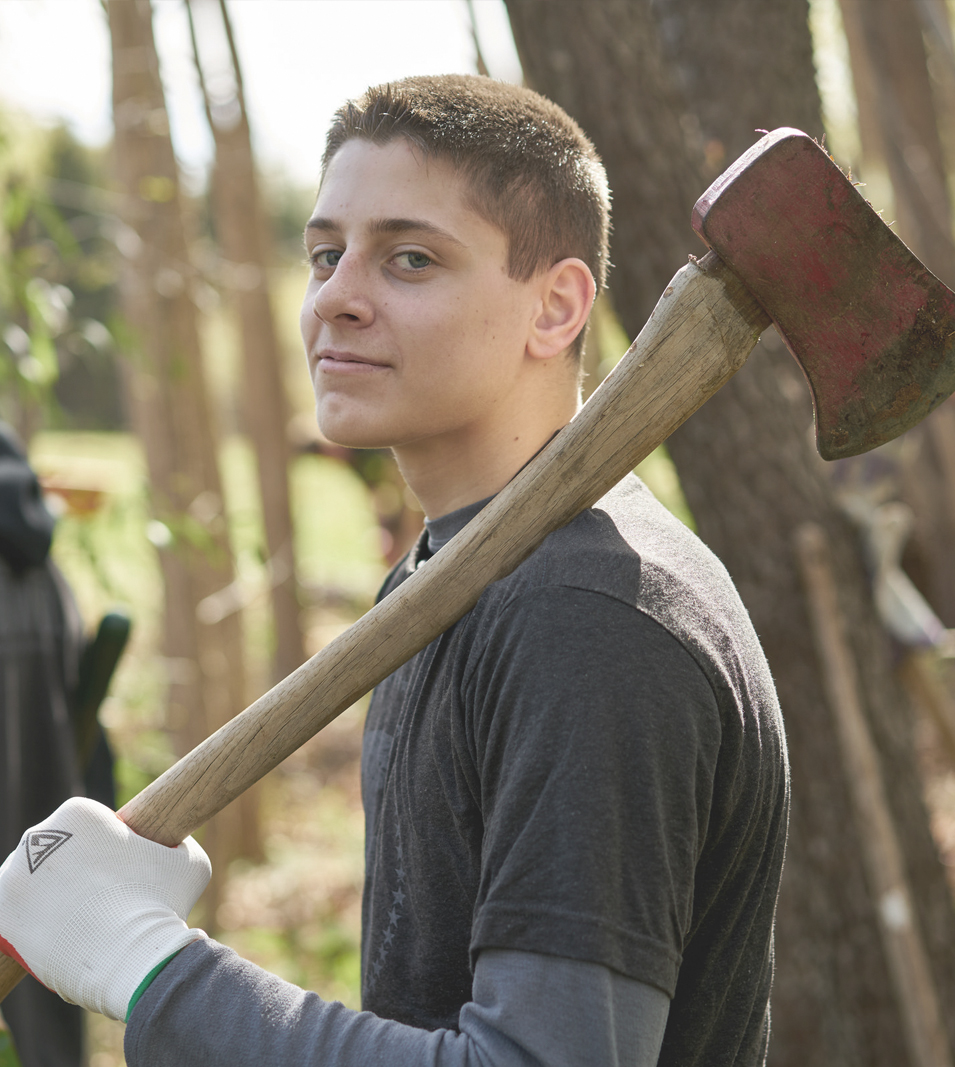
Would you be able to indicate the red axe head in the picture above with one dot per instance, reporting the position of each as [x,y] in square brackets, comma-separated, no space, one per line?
[871,327]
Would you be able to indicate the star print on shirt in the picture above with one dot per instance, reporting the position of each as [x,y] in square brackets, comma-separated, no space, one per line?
[398,897]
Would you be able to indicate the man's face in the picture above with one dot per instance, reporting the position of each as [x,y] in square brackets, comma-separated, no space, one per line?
[414,333]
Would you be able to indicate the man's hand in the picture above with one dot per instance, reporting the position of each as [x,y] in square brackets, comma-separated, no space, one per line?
[93,910]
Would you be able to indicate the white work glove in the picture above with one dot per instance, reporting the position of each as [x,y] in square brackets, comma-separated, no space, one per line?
[92,910]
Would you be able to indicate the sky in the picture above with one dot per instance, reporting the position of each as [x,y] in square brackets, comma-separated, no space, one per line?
[300,59]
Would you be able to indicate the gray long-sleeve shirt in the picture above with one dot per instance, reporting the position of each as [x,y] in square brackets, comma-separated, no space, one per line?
[209,1007]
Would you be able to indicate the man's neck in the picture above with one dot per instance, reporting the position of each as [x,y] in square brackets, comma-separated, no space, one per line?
[444,479]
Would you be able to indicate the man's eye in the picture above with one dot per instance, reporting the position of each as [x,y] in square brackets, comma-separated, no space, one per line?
[325,258]
[414,260]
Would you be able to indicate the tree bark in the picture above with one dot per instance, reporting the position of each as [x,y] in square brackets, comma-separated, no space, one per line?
[170,409]
[242,233]
[670,91]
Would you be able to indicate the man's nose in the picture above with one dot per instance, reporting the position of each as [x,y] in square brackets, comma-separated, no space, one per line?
[344,297]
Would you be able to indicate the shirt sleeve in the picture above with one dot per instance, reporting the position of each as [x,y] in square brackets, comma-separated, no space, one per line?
[209,1007]
[595,738]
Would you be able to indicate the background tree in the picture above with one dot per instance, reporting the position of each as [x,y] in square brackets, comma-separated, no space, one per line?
[243,236]
[670,92]
[170,410]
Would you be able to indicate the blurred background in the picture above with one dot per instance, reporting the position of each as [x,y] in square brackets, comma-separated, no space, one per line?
[157,164]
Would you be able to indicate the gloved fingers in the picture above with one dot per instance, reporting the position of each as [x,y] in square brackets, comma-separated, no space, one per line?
[91,908]
[179,874]
[89,844]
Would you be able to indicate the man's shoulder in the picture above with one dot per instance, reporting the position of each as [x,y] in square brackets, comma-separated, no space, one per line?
[630,549]
[628,546]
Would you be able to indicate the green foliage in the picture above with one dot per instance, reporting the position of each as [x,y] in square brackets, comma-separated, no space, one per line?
[57,282]
[8,1054]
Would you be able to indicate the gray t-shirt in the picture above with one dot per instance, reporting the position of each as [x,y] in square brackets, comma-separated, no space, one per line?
[589,765]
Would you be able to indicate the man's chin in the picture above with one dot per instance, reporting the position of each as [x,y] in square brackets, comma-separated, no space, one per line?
[349,435]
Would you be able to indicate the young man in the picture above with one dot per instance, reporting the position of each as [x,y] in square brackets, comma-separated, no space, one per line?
[576,798]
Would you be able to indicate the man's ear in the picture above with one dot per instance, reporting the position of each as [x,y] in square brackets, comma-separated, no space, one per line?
[567,294]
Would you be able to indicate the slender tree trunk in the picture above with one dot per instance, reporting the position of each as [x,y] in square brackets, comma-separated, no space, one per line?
[670,92]
[242,232]
[170,409]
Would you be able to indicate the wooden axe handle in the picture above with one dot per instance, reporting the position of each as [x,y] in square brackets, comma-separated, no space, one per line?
[700,333]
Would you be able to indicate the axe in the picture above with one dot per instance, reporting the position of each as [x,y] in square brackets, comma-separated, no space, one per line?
[793,243]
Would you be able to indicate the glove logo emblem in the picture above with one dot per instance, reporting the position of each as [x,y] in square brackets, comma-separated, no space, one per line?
[42,844]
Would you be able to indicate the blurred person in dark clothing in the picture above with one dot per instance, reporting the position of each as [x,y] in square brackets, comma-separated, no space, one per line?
[41,641]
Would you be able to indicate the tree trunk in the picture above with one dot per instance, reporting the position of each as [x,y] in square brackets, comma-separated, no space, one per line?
[670,92]
[242,232]
[171,412]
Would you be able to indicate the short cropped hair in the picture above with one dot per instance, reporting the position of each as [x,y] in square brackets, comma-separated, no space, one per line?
[532,171]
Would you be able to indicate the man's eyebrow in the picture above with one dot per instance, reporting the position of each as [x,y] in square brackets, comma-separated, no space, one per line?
[389,226]
[399,226]
[320,223]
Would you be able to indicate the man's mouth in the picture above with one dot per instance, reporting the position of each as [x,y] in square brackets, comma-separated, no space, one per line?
[334,360]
